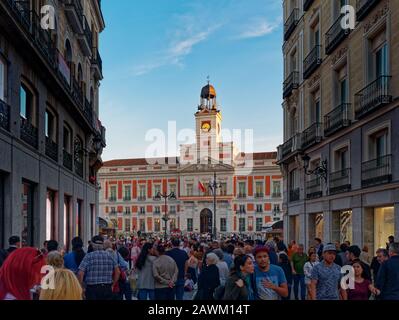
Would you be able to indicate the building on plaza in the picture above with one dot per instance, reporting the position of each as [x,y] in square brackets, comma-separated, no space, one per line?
[248,197]
[341,116]
[51,139]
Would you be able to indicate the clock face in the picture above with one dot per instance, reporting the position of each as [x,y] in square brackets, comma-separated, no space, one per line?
[206,126]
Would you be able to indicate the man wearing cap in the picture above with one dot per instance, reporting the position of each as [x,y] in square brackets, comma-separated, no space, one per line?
[100,271]
[326,277]
[14,243]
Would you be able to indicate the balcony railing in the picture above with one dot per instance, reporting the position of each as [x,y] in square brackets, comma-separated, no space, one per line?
[127,198]
[4,115]
[312,135]
[291,83]
[337,119]
[86,38]
[276,195]
[313,189]
[29,133]
[241,212]
[141,198]
[307,4]
[290,146]
[88,111]
[291,24]
[312,62]
[260,210]
[51,149]
[242,195]
[364,7]
[67,160]
[142,212]
[377,171]
[375,95]
[335,35]
[97,61]
[340,181]
[79,168]
[74,13]
[259,195]
[294,194]
[112,199]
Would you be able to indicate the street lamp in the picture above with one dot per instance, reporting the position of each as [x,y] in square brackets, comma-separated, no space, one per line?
[213,186]
[320,171]
[166,196]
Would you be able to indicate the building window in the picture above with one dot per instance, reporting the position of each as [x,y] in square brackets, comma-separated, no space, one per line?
[241,224]
[2,79]
[342,226]
[142,192]
[276,189]
[259,208]
[189,225]
[172,188]
[50,125]
[78,156]
[315,110]
[142,210]
[259,189]
[157,225]
[27,214]
[113,210]
[127,210]
[51,215]
[127,196]
[172,224]
[341,159]
[67,139]
[78,218]
[381,61]
[142,225]
[378,144]
[190,189]
[157,189]
[241,208]
[112,193]
[67,221]
[26,103]
[241,189]
[172,209]
[259,224]
[223,189]
[127,225]
[223,224]
[276,208]
[157,210]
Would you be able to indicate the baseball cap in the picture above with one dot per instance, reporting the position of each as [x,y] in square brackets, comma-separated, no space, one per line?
[97,240]
[329,247]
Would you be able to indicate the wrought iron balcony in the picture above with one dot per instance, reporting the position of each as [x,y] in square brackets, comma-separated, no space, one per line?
[312,135]
[97,63]
[260,210]
[337,119]
[242,195]
[77,93]
[113,213]
[364,7]
[313,189]
[127,198]
[74,13]
[291,146]
[259,195]
[291,83]
[142,212]
[86,38]
[377,171]
[79,168]
[294,194]
[88,111]
[241,212]
[112,199]
[291,24]
[21,10]
[307,4]
[335,35]
[374,96]
[340,181]
[276,195]
[51,149]
[312,62]
[4,115]
[141,198]
[67,160]
[29,133]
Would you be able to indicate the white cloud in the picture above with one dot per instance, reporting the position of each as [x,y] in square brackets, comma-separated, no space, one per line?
[258,28]
[180,47]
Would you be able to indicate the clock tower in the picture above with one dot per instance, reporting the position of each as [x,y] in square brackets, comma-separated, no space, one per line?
[208,123]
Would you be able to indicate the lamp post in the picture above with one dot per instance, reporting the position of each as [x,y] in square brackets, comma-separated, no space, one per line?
[213,186]
[320,171]
[166,196]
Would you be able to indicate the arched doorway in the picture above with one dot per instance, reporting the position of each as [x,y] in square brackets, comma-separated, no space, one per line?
[206,221]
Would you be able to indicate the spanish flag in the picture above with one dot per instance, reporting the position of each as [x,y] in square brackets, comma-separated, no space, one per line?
[201,187]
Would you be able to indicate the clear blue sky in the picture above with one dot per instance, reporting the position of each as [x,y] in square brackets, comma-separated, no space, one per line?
[157,55]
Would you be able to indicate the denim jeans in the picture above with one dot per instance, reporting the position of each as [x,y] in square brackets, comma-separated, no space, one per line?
[99,292]
[299,281]
[146,294]
[179,291]
[165,294]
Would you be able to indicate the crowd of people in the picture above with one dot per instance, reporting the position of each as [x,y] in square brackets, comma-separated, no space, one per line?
[194,268]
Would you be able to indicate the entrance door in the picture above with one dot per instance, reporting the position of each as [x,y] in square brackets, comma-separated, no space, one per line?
[206,221]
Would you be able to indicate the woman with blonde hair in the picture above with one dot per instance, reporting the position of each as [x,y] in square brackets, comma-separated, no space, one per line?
[55,259]
[66,287]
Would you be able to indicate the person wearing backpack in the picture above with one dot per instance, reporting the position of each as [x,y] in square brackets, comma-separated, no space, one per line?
[14,243]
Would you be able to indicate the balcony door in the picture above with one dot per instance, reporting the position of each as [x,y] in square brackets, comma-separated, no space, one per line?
[381,61]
